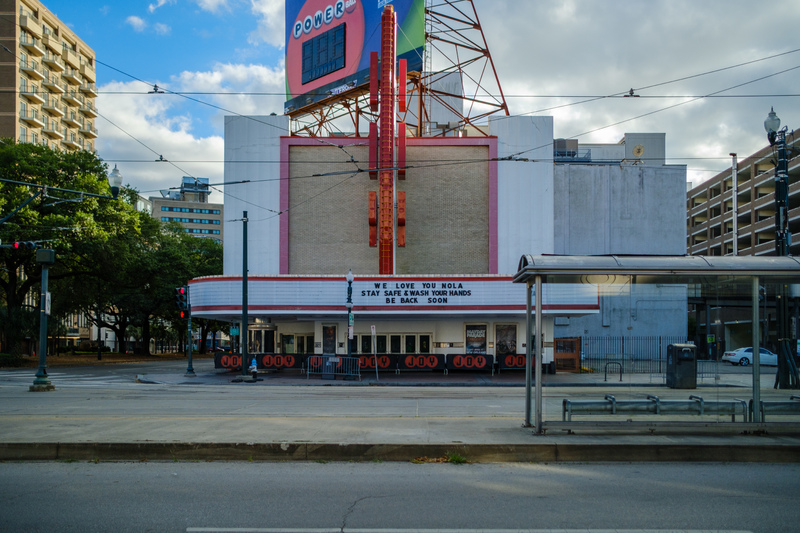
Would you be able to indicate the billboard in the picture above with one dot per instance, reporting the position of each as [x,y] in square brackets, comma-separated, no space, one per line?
[328,44]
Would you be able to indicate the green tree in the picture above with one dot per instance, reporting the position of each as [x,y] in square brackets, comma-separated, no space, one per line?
[67,222]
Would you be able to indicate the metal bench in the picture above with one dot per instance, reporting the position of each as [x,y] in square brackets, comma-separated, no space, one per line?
[777,407]
[653,405]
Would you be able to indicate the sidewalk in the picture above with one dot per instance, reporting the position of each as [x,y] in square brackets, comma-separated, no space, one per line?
[396,417]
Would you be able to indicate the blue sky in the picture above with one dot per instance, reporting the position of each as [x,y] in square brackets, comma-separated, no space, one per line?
[549,54]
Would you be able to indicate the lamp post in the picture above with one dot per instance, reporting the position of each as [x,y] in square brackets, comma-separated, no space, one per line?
[42,381]
[115,181]
[787,376]
[349,306]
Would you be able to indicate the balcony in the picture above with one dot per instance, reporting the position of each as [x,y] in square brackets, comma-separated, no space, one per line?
[55,63]
[32,118]
[31,92]
[71,141]
[32,45]
[53,85]
[51,130]
[32,70]
[72,76]
[90,89]
[87,108]
[88,130]
[52,106]
[52,43]
[87,71]
[71,57]
[31,25]
[73,98]
[71,119]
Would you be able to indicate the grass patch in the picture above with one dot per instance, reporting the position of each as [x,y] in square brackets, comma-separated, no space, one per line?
[449,457]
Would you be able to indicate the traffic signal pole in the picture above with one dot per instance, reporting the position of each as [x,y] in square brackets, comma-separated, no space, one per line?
[189,370]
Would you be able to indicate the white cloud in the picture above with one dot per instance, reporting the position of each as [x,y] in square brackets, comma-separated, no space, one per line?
[270,23]
[214,6]
[586,48]
[137,23]
[147,126]
[161,29]
[239,80]
[152,7]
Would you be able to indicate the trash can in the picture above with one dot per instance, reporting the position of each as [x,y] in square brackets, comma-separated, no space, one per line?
[682,366]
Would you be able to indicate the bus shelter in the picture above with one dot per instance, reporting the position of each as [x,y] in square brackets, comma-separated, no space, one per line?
[733,281]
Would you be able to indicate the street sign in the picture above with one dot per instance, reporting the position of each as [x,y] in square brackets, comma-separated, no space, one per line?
[234,331]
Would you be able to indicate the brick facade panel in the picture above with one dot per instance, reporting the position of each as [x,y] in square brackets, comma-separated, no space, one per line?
[447,211]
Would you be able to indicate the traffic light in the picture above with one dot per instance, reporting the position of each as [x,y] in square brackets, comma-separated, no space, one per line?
[24,245]
[182,300]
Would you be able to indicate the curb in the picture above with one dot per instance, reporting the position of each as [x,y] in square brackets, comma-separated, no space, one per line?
[325,452]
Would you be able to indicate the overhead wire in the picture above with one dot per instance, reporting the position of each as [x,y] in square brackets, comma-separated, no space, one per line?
[356,163]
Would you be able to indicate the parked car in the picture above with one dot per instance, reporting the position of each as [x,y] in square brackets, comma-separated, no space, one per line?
[744,357]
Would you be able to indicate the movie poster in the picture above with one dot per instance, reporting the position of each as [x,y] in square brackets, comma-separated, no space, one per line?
[505,341]
[476,339]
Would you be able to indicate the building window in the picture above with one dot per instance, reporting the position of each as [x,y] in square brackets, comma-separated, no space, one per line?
[411,344]
[366,344]
[380,343]
[424,344]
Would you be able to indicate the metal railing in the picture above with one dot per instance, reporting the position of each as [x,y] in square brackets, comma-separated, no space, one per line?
[329,366]
[636,355]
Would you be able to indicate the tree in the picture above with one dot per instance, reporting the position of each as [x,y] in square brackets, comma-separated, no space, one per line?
[63,221]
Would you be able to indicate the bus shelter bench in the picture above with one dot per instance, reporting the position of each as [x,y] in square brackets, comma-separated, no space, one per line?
[653,405]
[777,407]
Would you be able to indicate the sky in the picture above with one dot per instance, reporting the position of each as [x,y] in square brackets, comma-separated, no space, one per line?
[707,72]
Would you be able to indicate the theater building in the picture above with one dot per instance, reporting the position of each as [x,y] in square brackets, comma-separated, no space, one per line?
[470,207]
[428,212]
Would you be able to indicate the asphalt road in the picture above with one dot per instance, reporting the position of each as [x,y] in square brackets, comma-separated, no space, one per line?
[200,496]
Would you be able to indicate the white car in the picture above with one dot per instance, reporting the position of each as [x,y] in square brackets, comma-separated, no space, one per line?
[744,357]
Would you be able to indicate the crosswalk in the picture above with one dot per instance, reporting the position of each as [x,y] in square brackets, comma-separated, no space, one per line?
[64,378]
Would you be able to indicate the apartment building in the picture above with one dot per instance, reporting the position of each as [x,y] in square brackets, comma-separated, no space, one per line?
[722,215]
[47,79]
[189,207]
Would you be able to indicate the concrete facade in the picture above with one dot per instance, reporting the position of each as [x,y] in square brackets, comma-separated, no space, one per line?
[623,200]
[710,207]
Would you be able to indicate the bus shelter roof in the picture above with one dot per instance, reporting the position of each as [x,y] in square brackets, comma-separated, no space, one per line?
[654,268]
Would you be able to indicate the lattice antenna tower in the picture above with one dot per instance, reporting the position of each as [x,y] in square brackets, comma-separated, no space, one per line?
[455,46]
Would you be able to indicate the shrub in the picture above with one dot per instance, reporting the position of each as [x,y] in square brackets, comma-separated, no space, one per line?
[8,361]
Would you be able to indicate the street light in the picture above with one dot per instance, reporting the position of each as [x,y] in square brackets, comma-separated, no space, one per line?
[115,180]
[349,306]
[787,375]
